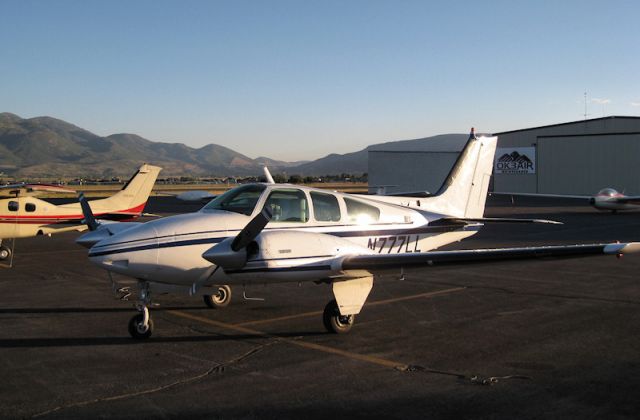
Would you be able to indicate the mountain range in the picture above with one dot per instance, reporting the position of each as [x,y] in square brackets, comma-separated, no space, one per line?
[46,146]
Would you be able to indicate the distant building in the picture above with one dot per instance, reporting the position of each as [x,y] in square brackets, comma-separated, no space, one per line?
[579,157]
[413,165]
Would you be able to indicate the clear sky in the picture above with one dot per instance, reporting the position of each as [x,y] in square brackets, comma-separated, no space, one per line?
[300,79]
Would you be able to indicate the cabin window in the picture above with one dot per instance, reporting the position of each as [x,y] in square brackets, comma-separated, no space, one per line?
[238,200]
[30,207]
[288,205]
[13,206]
[360,212]
[325,207]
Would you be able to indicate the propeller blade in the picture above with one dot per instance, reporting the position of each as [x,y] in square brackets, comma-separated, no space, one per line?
[232,253]
[251,230]
[89,220]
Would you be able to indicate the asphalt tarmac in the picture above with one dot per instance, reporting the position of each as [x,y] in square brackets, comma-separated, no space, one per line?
[552,339]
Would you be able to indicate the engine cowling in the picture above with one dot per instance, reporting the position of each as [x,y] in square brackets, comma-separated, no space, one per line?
[285,256]
[275,245]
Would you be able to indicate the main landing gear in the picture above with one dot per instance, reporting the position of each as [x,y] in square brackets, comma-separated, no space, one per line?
[334,322]
[340,314]
[141,325]
[5,252]
[220,299]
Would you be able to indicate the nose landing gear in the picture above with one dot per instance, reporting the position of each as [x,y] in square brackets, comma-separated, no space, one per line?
[141,325]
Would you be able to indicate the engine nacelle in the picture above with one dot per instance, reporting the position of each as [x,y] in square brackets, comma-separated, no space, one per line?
[294,245]
[284,255]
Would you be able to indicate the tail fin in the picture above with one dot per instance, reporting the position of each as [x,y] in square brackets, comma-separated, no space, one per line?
[133,196]
[464,191]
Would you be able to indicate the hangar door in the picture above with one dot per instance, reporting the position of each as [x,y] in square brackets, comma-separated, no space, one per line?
[409,171]
[584,164]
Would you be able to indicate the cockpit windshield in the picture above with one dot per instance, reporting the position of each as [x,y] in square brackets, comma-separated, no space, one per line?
[238,200]
[609,192]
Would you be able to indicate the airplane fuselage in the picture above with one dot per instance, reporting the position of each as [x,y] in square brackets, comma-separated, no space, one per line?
[609,199]
[27,216]
[169,250]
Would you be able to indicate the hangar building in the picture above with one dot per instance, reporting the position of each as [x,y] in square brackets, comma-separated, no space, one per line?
[413,165]
[579,157]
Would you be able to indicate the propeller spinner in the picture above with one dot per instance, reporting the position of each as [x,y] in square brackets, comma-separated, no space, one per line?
[232,252]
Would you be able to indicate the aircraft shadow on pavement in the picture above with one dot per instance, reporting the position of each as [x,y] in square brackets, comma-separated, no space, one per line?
[96,310]
[128,341]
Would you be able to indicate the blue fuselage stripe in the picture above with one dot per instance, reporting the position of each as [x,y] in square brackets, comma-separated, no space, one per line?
[341,234]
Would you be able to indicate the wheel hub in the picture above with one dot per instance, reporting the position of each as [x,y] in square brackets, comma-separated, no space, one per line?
[220,296]
[142,328]
[344,320]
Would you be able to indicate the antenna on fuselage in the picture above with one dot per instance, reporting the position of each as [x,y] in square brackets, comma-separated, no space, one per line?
[267,175]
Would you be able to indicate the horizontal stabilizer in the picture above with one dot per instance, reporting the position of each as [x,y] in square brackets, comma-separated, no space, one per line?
[516,194]
[463,221]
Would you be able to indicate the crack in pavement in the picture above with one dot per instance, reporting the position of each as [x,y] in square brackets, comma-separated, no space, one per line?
[218,368]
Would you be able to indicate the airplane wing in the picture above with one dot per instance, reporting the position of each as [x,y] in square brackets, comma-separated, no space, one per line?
[629,199]
[379,262]
[15,190]
[193,196]
[578,197]
[457,221]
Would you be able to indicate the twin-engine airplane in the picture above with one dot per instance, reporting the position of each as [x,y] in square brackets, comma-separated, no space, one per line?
[23,215]
[605,199]
[269,233]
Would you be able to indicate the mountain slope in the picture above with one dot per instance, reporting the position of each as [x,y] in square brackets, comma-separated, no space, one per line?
[357,162]
[46,146]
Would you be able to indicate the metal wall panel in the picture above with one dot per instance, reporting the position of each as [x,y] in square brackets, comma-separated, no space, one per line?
[578,158]
[586,164]
[409,171]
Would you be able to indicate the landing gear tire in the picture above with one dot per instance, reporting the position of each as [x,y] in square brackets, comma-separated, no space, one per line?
[5,252]
[334,322]
[138,330]
[220,299]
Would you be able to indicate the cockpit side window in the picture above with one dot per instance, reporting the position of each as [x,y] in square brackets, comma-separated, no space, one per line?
[360,212]
[238,200]
[288,205]
[14,206]
[325,207]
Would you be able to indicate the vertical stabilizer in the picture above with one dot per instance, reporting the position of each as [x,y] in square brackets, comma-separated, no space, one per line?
[464,191]
[133,196]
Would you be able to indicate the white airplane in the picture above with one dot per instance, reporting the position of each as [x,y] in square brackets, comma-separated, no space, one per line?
[269,233]
[23,215]
[203,197]
[605,199]
[193,196]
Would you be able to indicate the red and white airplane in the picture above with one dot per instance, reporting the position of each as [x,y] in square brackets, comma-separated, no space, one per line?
[23,215]
[605,199]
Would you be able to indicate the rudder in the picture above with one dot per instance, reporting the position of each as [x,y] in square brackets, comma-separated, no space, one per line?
[464,191]
[134,194]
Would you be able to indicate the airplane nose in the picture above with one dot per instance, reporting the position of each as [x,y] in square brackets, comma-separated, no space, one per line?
[127,252]
[89,239]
